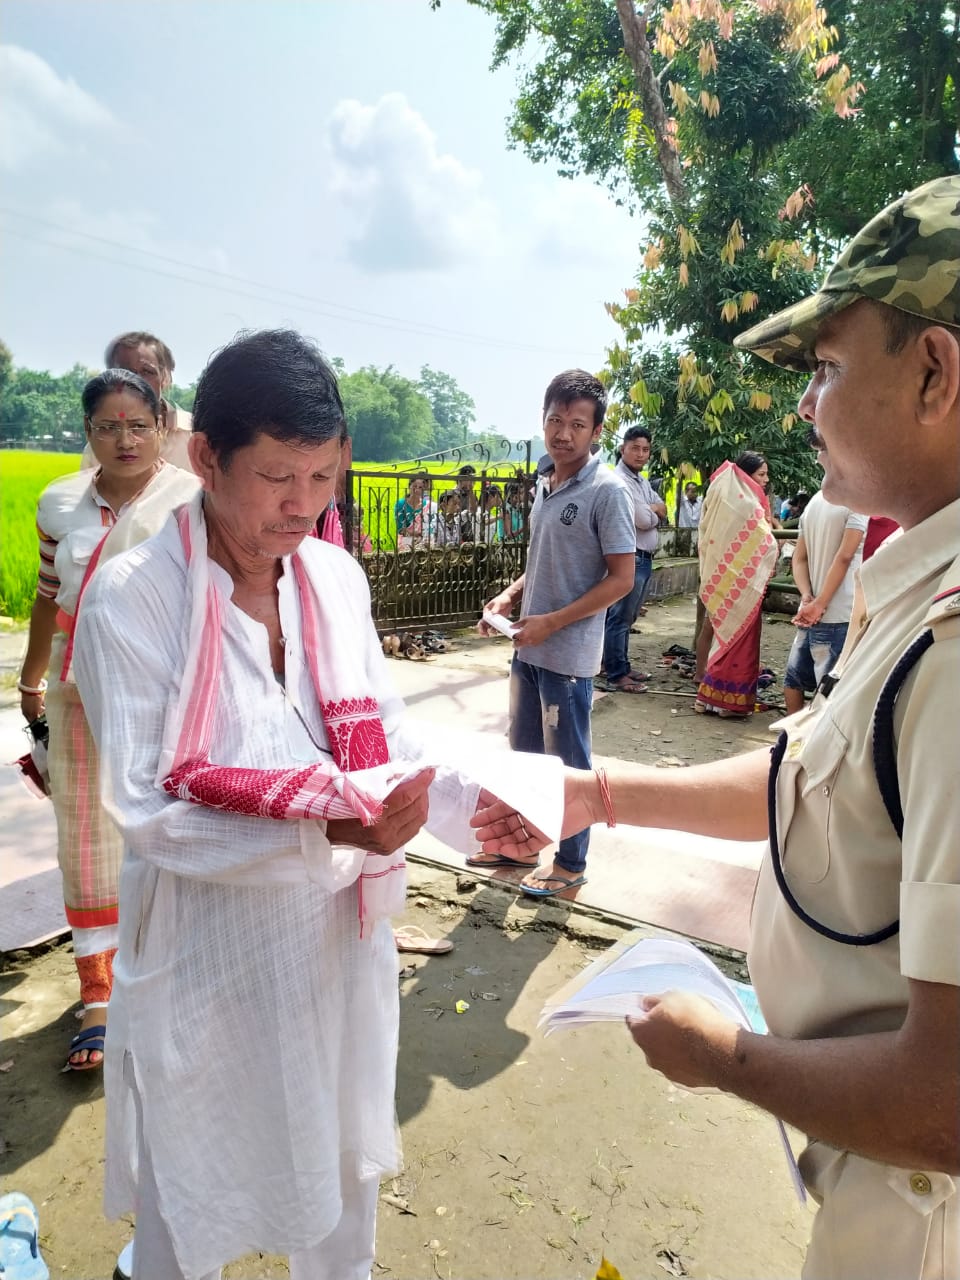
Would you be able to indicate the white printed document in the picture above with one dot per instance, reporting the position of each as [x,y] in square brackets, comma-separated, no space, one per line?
[500,623]
[611,987]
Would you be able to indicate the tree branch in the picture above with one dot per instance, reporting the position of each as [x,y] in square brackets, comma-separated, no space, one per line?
[637,49]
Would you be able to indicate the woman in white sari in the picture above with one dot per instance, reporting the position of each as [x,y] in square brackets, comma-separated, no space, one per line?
[82,520]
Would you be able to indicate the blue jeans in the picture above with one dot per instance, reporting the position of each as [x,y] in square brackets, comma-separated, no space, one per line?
[621,617]
[550,715]
[813,655]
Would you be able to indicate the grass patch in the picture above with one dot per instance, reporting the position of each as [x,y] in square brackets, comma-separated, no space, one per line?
[23,477]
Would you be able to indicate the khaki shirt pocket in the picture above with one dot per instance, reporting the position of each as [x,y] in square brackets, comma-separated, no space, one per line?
[808,776]
[879,1222]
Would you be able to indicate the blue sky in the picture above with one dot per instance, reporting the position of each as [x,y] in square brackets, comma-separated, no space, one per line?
[196,167]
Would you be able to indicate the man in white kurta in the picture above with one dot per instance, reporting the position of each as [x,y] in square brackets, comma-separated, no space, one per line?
[251,1055]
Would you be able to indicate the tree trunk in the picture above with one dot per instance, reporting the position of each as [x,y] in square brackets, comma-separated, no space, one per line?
[637,47]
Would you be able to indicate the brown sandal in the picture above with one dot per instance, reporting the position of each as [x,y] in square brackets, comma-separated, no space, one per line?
[627,685]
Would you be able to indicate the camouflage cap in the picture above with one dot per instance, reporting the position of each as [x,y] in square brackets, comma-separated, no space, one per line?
[908,257]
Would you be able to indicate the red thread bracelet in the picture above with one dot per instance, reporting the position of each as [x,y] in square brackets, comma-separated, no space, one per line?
[605,796]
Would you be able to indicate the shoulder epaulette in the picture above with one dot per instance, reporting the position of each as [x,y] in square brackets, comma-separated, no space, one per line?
[945,605]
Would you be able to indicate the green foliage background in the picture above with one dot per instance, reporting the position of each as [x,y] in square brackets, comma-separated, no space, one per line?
[726,254]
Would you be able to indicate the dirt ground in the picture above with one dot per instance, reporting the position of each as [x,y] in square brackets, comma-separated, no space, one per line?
[524,1156]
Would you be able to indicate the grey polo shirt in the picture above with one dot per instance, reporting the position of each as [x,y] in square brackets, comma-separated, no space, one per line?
[572,528]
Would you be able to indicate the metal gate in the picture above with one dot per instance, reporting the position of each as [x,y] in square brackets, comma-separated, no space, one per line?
[432,560]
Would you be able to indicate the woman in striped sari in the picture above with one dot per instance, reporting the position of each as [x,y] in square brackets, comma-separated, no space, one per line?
[83,519]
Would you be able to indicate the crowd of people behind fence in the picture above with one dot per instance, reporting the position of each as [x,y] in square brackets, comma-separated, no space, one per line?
[485,512]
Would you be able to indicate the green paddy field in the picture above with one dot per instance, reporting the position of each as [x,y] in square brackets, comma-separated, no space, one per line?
[23,477]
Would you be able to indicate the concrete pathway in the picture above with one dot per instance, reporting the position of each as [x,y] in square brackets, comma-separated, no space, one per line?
[692,885]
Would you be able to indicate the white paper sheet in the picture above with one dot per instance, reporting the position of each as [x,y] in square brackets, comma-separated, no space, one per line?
[612,986]
[530,784]
[500,623]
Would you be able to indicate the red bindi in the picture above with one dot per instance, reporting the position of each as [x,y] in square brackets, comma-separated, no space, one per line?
[121,414]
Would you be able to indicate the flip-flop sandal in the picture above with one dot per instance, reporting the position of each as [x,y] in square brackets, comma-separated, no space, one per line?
[479,862]
[19,1239]
[410,937]
[124,1268]
[562,886]
[625,686]
[92,1041]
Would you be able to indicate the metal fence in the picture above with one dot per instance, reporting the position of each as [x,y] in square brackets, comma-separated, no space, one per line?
[437,544]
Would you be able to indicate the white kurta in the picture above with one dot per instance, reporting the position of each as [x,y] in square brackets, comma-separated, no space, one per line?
[260,1028]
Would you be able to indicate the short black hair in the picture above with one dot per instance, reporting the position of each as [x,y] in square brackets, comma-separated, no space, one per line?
[117,380]
[274,381]
[901,326]
[577,384]
[637,433]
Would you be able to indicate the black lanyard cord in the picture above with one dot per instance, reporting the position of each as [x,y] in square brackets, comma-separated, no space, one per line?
[847,939]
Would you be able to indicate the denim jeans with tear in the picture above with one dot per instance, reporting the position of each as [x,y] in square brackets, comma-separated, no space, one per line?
[550,715]
[620,618]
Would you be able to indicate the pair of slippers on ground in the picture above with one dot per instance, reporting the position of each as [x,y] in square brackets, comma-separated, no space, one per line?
[559,884]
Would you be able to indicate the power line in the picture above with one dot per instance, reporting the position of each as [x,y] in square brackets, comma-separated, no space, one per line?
[275,295]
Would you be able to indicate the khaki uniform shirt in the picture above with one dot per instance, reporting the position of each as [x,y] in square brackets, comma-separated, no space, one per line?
[841,855]
[845,865]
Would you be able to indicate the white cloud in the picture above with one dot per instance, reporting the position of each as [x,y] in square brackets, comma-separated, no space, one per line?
[42,112]
[412,207]
[576,224]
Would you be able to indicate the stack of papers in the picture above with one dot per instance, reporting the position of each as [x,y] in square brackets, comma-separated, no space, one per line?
[611,988]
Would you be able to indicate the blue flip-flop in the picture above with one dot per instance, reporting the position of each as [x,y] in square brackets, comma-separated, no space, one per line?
[19,1248]
[562,885]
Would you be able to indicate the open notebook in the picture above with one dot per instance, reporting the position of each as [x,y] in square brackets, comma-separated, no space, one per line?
[610,988]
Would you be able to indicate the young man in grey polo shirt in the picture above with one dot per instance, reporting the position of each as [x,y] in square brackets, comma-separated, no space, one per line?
[580,561]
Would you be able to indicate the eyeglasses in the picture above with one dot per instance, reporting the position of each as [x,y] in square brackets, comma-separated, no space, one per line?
[114,430]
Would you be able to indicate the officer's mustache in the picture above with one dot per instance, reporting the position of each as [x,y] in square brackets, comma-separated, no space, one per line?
[815,440]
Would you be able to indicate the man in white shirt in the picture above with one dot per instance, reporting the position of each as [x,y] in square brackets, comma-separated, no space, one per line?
[691,504]
[825,563]
[648,509]
[256,761]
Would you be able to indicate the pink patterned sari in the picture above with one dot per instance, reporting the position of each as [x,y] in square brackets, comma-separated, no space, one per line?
[738,555]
